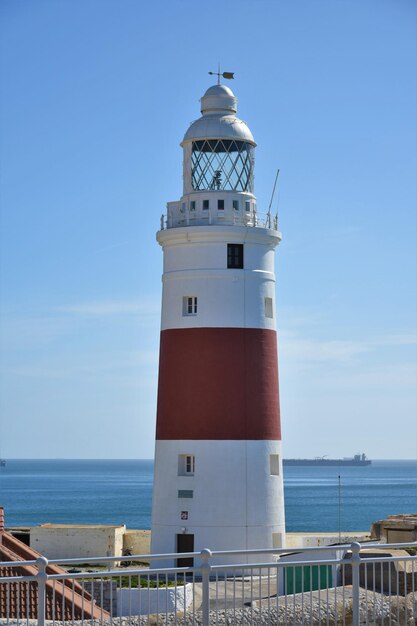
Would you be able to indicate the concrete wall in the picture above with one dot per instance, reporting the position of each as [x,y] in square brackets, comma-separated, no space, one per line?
[398,535]
[397,577]
[313,540]
[236,501]
[65,541]
[137,541]
[147,601]
[195,264]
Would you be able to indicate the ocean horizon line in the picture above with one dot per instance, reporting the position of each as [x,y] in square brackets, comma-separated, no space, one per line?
[6,458]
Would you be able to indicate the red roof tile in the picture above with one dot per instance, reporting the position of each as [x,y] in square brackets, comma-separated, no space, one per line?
[65,599]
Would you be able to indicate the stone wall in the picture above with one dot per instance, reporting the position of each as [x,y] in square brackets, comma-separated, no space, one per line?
[395,529]
[104,593]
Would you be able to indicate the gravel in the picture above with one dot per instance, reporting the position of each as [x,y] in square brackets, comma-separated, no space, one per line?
[375,610]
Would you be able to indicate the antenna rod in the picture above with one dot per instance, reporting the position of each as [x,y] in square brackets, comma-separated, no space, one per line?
[279,192]
[340,506]
[273,191]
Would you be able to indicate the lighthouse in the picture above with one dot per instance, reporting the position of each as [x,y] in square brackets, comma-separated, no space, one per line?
[218,466]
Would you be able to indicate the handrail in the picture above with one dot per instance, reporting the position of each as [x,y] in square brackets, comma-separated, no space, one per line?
[213,217]
[352,558]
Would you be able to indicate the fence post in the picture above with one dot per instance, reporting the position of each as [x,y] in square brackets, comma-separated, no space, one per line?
[41,578]
[356,560]
[205,576]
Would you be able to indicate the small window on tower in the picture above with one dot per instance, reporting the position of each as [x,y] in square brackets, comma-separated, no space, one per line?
[268,308]
[247,205]
[185,493]
[236,205]
[220,205]
[189,464]
[235,255]
[189,305]
[186,465]
[192,205]
[274,464]
[206,205]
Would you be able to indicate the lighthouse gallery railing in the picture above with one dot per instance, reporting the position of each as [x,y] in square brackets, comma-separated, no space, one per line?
[349,584]
[211,217]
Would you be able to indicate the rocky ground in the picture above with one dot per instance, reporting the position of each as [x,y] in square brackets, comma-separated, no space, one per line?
[376,610]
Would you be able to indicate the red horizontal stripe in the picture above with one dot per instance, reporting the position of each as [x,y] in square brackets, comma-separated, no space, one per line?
[218,383]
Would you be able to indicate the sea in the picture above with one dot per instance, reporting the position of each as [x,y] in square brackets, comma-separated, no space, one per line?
[120,492]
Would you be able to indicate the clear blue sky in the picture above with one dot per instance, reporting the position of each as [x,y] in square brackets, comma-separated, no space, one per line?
[96,96]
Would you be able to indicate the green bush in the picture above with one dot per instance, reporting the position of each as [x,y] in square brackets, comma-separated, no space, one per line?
[135,581]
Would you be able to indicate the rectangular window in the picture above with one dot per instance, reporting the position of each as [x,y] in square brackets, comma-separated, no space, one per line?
[189,305]
[236,205]
[235,255]
[185,493]
[183,207]
[247,205]
[220,205]
[186,464]
[268,308]
[274,464]
[206,205]
[192,205]
[189,464]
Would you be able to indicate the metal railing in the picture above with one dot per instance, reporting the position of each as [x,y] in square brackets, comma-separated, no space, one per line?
[214,217]
[345,585]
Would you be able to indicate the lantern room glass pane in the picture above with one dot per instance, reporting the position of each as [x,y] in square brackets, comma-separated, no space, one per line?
[218,164]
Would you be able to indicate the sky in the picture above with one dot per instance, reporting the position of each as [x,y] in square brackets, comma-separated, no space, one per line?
[96,97]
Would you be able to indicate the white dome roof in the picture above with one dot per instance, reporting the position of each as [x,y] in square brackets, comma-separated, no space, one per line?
[216,90]
[216,127]
[218,120]
[218,98]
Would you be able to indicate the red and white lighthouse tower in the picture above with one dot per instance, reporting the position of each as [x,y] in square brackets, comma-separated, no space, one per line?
[218,465]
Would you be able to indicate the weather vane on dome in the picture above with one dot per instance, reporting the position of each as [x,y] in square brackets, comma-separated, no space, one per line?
[227,75]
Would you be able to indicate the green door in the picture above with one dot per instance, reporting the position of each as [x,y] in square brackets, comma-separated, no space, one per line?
[307,578]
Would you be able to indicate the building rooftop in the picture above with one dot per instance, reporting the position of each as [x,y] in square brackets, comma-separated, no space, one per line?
[65,600]
[90,526]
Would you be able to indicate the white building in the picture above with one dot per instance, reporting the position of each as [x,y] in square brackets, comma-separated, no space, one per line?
[218,465]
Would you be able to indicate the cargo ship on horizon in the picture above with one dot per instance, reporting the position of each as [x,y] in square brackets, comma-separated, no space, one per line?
[358,460]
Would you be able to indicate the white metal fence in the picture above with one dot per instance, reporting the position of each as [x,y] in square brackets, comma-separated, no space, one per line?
[338,585]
